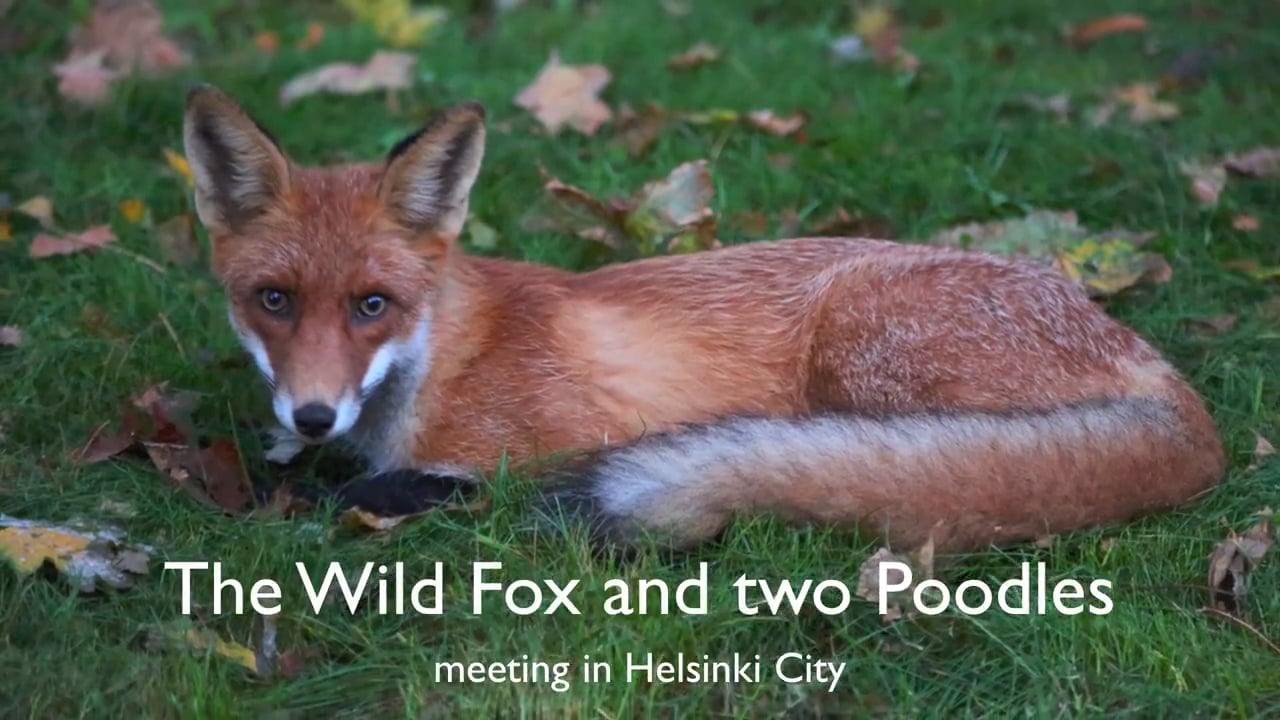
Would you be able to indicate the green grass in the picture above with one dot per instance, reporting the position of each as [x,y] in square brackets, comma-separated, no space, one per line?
[923,154]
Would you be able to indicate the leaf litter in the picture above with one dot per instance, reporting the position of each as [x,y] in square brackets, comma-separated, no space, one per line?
[1104,263]
[385,70]
[1234,559]
[669,215]
[563,96]
[89,558]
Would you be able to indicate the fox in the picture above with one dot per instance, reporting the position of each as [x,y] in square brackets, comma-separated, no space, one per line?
[912,392]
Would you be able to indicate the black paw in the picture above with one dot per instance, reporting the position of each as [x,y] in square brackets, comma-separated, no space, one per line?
[402,492]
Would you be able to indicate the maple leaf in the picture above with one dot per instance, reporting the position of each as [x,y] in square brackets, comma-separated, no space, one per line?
[45,245]
[567,95]
[385,70]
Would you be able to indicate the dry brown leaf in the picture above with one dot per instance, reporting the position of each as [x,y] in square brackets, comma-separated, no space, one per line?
[88,558]
[1258,162]
[177,240]
[840,223]
[702,53]
[670,215]
[1262,449]
[1246,223]
[1207,180]
[10,335]
[385,70]
[900,604]
[44,245]
[752,223]
[1086,33]
[1234,559]
[567,95]
[637,132]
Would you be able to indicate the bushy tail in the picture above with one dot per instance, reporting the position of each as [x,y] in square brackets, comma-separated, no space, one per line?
[970,479]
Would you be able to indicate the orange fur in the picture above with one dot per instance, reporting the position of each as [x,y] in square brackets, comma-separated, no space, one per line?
[918,390]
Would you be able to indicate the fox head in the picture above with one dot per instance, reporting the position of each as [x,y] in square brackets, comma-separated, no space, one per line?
[330,274]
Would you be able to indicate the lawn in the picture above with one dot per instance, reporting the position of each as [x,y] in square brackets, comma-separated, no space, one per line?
[911,152]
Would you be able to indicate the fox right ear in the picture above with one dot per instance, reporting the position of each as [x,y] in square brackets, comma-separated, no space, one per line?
[239,169]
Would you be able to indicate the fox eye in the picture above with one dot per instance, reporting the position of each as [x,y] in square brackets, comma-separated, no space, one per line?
[274,301]
[372,306]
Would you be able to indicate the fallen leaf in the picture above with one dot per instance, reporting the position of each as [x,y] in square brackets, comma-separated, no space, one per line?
[44,245]
[1246,223]
[1211,325]
[1140,99]
[358,519]
[567,95]
[880,31]
[88,558]
[177,240]
[1086,33]
[773,124]
[670,215]
[385,70]
[267,41]
[1253,269]
[1207,180]
[313,37]
[121,38]
[178,163]
[180,636]
[637,132]
[396,21]
[133,210]
[702,53]
[40,208]
[752,223]
[1258,162]
[10,335]
[1104,263]
[6,230]
[1262,449]
[1234,559]
[899,604]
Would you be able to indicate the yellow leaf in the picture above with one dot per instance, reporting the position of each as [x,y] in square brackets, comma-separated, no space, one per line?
[178,162]
[133,210]
[86,557]
[396,21]
[235,652]
[40,208]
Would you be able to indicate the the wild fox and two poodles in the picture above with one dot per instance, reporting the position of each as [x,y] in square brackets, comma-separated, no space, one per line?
[915,391]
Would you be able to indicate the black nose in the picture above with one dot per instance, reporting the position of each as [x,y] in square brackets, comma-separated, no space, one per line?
[314,419]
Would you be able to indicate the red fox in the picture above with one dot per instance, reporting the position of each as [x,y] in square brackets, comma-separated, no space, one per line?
[914,391]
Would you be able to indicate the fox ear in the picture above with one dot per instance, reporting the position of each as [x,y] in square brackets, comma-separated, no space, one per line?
[429,174]
[239,169]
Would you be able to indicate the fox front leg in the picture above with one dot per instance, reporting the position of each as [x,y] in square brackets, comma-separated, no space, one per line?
[408,491]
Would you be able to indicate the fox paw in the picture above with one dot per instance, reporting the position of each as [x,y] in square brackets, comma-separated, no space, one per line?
[405,492]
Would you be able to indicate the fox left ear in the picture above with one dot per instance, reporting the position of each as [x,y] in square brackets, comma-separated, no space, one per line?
[429,174]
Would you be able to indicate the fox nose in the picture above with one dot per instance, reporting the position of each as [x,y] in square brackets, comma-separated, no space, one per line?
[314,419]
